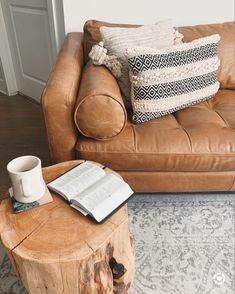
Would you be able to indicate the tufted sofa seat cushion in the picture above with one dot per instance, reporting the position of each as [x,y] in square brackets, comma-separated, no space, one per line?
[200,138]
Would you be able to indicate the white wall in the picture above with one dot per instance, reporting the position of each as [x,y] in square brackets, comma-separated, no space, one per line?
[183,12]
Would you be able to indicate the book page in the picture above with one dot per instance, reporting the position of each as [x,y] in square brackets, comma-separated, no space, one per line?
[72,183]
[84,212]
[104,196]
[114,201]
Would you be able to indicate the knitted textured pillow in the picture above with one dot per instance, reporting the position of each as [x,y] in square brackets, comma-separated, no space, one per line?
[116,40]
[170,79]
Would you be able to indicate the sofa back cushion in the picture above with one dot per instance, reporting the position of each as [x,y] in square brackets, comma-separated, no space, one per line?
[226,74]
[226,30]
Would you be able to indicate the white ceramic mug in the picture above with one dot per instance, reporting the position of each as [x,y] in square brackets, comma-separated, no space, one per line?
[26,177]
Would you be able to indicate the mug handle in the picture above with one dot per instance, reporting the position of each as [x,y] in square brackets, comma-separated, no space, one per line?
[26,186]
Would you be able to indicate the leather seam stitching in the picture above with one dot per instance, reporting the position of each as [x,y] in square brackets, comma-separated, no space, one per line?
[199,172]
[187,134]
[67,102]
[159,153]
[225,122]
[134,138]
[233,184]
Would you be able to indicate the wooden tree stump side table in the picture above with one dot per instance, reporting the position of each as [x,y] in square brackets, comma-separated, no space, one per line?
[54,249]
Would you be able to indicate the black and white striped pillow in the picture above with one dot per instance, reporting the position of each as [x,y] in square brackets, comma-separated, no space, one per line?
[169,79]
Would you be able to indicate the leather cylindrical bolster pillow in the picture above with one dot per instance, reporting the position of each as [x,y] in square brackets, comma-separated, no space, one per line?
[100,112]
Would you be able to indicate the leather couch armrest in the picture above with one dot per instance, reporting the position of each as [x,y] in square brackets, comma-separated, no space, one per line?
[59,98]
[100,112]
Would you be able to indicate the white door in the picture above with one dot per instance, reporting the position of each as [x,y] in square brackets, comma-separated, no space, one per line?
[32,37]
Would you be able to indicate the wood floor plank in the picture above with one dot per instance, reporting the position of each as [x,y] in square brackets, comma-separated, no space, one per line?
[21,133]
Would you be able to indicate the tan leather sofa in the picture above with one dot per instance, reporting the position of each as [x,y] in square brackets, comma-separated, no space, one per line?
[191,150]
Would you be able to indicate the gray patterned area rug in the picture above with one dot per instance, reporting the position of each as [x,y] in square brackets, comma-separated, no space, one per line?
[185,244]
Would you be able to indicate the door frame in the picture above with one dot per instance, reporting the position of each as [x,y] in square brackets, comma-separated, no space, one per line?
[7,63]
[57,32]
[56,21]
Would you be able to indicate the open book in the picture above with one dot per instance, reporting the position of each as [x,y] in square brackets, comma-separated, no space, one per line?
[91,190]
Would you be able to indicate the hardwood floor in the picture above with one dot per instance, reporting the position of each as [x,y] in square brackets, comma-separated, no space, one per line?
[21,133]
